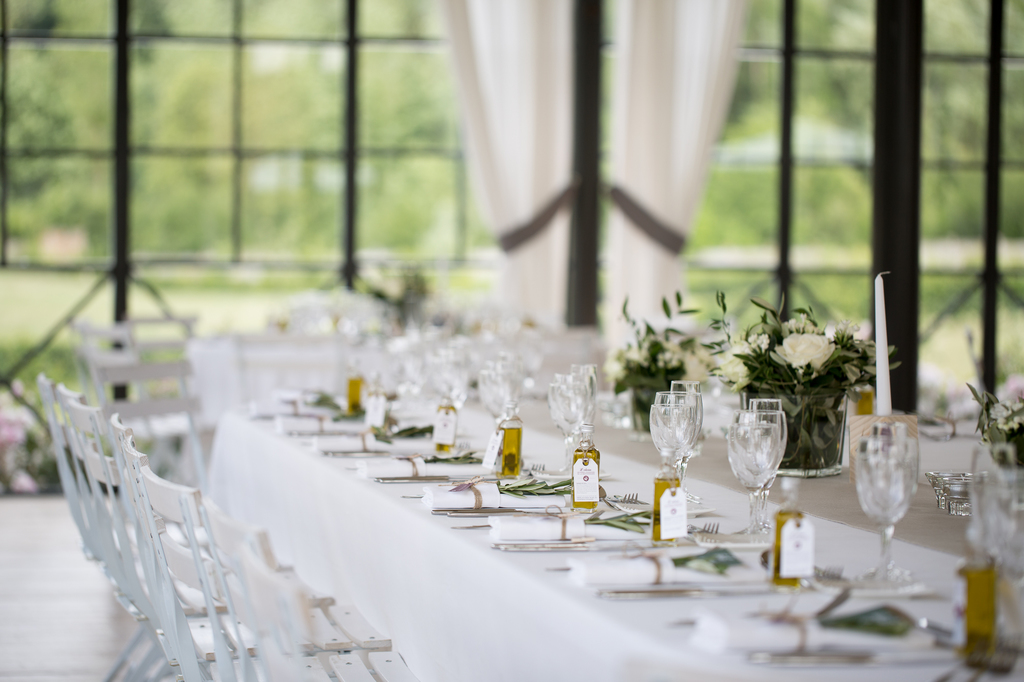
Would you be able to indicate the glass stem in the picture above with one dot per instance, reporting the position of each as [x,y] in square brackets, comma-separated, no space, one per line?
[886,560]
[762,509]
[570,448]
[683,460]
[754,501]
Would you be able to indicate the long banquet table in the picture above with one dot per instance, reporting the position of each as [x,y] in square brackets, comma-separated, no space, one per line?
[457,609]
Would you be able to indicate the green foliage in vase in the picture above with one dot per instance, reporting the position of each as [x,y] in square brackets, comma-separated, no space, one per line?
[657,358]
[793,357]
[1001,421]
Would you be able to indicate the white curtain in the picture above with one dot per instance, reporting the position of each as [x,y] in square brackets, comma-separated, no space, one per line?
[513,65]
[675,71]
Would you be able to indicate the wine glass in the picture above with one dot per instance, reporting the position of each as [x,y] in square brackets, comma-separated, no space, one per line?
[754,458]
[769,416]
[490,391]
[886,470]
[565,405]
[587,374]
[687,393]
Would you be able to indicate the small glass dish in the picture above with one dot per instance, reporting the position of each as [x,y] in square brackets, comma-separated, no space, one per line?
[952,491]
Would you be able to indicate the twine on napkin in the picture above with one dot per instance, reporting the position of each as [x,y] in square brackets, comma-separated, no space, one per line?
[654,557]
[362,436]
[557,514]
[478,500]
[412,460]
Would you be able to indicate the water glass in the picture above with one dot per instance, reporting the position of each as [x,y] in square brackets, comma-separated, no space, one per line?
[754,458]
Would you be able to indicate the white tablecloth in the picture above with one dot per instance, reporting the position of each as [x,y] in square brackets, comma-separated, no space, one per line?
[459,610]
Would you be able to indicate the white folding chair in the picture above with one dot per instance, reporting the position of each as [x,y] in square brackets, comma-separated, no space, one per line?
[112,527]
[228,536]
[70,482]
[156,416]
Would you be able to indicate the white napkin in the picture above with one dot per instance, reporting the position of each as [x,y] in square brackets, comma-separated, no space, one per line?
[438,497]
[716,633]
[285,424]
[404,467]
[513,528]
[354,443]
[629,571]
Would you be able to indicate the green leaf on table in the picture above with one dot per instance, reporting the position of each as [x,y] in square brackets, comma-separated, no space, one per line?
[717,561]
[883,620]
[414,432]
[630,522]
[326,400]
[464,458]
[531,486]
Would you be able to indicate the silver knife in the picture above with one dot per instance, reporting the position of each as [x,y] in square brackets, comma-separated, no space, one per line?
[682,592]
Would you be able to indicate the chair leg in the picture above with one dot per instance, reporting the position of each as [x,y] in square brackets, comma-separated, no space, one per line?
[126,652]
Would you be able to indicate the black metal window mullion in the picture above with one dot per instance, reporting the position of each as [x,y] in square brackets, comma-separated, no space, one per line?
[991,275]
[784,272]
[236,132]
[350,151]
[122,112]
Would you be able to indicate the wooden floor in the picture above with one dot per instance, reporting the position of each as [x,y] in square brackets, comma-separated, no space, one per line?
[58,617]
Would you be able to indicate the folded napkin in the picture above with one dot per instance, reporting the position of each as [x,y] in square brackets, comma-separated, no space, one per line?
[415,467]
[438,497]
[354,443]
[513,528]
[716,633]
[284,424]
[650,570]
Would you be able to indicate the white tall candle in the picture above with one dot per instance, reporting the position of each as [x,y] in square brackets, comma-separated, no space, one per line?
[883,395]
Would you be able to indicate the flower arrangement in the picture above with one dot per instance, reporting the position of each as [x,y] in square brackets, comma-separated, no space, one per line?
[656,359]
[793,357]
[26,463]
[1001,421]
[809,370]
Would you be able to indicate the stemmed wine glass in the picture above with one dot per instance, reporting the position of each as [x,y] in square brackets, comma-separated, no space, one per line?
[687,425]
[754,457]
[587,374]
[490,391]
[886,472]
[566,405]
[761,411]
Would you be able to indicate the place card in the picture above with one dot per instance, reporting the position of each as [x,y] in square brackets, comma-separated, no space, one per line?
[672,510]
[493,450]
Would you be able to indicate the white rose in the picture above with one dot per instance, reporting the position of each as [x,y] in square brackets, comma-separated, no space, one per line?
[734,371]
[800,350]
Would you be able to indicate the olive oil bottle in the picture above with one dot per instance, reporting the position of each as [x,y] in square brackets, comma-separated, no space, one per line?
[445,425]
[355,390]
[974,600]
[669,500]
[586,471]
[793,554]
[512,441]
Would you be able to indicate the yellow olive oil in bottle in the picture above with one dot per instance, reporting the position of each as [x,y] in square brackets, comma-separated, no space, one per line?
[445,424]
[512,441]
[666,481]
[586,471]
[974,600]
[793,553]
[355,390]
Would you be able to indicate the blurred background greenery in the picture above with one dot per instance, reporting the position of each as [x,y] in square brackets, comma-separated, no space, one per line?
[237,164]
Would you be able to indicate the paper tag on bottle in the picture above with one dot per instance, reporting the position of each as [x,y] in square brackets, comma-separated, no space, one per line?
[796,549]
[376,411]
[493,450]
[585,481]
[673,513]
[444,428]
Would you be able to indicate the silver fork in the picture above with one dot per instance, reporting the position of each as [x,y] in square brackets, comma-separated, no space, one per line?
[537,467]
[829,573]
[709,529]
